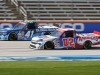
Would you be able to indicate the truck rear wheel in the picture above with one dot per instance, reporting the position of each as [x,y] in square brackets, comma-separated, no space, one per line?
[12,37]
[87,45]
[49,45]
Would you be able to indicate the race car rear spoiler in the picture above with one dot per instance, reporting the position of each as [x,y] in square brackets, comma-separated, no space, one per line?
[96,32]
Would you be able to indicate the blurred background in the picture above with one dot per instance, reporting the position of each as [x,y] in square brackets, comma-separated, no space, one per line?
[50,9]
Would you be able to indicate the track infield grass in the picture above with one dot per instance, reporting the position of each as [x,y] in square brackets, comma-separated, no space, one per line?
[50,68]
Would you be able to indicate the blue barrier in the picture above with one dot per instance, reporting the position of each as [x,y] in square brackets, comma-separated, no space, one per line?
[82,27]
[59,58]
[7,24]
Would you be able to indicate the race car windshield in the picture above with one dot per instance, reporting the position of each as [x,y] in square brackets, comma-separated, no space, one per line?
[19,26]
[56,33]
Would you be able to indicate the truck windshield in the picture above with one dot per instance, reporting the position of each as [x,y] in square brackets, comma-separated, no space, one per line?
[56,33]
[19,26]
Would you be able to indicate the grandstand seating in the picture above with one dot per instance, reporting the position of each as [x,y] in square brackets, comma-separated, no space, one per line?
[54,10]
[5,12]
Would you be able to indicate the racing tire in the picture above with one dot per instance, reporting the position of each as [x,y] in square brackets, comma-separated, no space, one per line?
[12,37]
[87,45]
[49,45]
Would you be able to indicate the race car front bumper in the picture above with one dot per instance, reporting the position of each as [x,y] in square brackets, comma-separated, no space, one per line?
[36,45]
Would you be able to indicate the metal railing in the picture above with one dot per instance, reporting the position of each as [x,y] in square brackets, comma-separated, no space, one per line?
[15,2]
[23,11]
[20,9]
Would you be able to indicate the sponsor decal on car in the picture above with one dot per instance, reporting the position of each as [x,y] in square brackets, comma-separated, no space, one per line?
[68,42]
[88,37]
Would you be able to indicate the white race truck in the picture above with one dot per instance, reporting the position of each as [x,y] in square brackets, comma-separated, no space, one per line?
[66,38]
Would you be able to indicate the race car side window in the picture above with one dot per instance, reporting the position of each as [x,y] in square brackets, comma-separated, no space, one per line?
[68,34]
[31,25]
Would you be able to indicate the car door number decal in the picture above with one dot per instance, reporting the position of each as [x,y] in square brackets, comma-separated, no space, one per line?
[68,42]
[29,34]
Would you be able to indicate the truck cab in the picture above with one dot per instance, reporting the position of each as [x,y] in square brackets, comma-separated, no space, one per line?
[67,39]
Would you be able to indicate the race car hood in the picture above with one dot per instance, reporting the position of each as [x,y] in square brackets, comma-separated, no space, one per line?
[43,38]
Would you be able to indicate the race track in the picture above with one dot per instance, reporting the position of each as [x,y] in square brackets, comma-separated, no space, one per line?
[21,48]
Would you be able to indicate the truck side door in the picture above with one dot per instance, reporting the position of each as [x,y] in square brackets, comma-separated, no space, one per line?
[67,39]
[27,32]
[30,30]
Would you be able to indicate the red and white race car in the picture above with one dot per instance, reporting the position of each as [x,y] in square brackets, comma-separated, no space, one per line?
[65,38]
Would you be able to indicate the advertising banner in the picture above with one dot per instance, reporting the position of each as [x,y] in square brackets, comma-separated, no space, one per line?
[7,24]
[79,26]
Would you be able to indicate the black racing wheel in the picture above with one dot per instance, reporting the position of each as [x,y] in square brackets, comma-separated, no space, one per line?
[12,37]
[49,45]
[87,45]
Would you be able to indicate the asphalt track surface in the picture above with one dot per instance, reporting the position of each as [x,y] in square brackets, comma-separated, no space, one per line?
[21,48]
